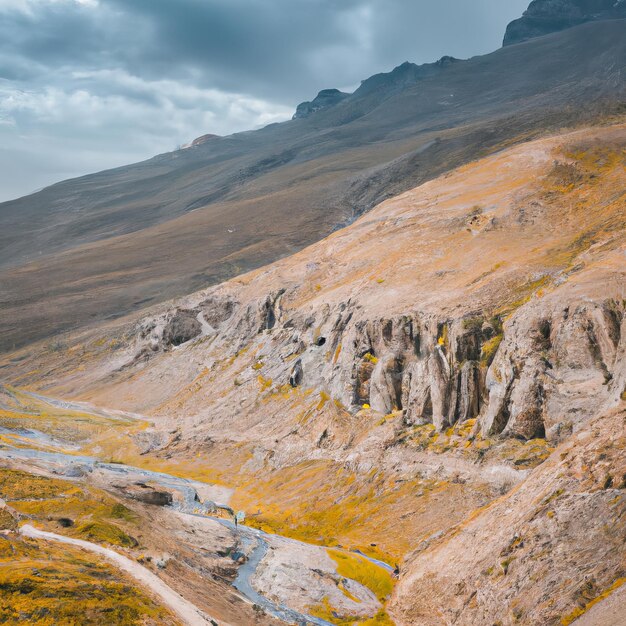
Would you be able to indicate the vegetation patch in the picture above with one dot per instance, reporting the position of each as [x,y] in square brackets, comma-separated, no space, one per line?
[22,411]
[355,567]
[330,614]
[48,585]
[82,512]
[103,532]
[489,349]
[7,521]
[327,612]
[18,485]
[328,504]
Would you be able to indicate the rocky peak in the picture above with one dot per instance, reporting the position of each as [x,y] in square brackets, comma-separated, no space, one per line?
[324,99]
[198,141]
[446,60]
[203,139]
[549,16]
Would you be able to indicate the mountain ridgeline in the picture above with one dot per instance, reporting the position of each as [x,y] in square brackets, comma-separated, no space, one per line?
[103,245]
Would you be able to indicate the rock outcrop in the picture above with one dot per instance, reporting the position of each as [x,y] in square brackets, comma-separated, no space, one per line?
[181,327]
[537,374]
[198,141]
[386,83]
[402,76]
[324,99]
[146,494]
[549,16]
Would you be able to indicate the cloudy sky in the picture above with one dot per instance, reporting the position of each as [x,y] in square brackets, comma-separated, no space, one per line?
[91,84]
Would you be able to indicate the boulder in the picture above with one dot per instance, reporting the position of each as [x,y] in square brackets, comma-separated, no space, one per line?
[146,494]
[182,327]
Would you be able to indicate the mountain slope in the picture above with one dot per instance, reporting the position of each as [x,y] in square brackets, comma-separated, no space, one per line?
[378,388]
[106,244]
[544,554]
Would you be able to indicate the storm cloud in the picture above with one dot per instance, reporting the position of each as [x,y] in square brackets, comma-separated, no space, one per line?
[91,84]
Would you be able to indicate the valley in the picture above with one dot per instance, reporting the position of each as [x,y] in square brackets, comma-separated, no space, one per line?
[364,367]
[187,514]
[344,419]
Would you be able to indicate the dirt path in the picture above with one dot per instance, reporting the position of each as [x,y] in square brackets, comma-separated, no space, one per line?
[187,505]
[84,407]
[187,612]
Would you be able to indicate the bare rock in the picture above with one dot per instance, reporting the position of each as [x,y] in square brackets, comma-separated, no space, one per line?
[297,374]
[182,327]
[146,494]
[549,16]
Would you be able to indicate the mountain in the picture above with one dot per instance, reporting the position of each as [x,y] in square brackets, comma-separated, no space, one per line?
[419,418]
[97,247]
[441,384]
[550,16]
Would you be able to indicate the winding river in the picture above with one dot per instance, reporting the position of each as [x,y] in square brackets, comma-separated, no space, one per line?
[76,465]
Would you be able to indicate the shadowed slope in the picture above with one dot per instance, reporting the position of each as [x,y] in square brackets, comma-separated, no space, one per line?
[548,16]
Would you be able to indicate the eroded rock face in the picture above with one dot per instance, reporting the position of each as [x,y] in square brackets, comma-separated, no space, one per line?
[297,374]
[216,311]
[554,368]
[549,16]
[538,373]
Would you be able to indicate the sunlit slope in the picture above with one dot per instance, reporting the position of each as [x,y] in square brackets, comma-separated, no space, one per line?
[547,553]
[44,583]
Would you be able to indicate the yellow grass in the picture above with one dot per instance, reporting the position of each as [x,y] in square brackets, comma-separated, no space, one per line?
[355,567]
[48,585]
[95,516]
[578,611]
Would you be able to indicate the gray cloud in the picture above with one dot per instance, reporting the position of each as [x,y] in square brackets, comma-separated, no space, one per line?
[89,84]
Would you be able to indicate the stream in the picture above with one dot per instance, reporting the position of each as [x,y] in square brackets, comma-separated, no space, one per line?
[75,466]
